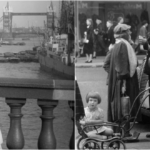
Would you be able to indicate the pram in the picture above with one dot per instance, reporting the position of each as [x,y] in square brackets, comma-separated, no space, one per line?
[117,140]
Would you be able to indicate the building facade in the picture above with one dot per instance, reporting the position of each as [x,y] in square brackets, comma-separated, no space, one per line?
[132,12]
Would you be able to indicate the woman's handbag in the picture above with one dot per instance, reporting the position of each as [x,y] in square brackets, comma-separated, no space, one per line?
[125,105]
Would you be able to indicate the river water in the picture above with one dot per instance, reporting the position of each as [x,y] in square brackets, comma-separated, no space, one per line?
[31,122]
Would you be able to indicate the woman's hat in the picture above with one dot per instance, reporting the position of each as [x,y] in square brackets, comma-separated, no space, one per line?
[121,28]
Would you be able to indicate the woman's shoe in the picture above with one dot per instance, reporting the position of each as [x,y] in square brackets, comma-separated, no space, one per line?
[94,57]
[133,138]
[86,61]
[90,61]
[148,135]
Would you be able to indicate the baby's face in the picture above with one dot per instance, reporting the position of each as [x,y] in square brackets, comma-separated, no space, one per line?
[92,103]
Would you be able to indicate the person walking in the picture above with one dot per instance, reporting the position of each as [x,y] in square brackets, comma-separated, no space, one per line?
[88,41]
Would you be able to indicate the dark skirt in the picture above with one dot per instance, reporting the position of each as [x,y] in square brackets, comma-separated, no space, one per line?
[88,48]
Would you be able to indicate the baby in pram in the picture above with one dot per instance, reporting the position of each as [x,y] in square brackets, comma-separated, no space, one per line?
[94,115]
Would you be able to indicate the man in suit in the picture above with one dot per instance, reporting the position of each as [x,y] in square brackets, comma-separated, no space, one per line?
[98,35]
[109,36]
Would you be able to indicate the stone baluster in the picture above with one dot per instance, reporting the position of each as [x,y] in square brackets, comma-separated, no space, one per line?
[15,138]
[72,140]
[47,138]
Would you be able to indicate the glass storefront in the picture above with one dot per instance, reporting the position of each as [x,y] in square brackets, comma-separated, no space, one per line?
[132,12]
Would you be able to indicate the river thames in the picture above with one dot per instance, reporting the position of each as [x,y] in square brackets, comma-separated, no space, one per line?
[31,122]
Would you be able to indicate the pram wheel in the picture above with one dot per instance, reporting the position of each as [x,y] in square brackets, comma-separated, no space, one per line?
[91,145]
[79,143]
[104,145]
[116,144]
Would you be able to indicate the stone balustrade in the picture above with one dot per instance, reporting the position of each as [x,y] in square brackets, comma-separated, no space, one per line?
[48,95]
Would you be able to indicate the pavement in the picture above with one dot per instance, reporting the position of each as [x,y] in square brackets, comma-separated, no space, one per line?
[98,62]
[141,144]
[91,76]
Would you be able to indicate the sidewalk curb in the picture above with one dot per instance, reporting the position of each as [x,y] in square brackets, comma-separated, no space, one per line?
[88,66]
[97,64]
[92,65]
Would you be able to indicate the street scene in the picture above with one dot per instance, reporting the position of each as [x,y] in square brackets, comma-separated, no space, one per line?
[37,74]
[111,72]
[98,83]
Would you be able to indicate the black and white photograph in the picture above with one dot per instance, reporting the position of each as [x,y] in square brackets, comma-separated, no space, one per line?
[112,72]
[37,74]
[74,74]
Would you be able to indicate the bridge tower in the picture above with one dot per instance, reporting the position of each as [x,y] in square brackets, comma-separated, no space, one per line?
[7,22]
[8,15]
[50,19]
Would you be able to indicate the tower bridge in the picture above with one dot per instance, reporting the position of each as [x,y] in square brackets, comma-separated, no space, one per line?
[8,19]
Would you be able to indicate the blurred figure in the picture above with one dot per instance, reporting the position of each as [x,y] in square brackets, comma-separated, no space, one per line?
[143,33]
[143,30]
[109,36]
[120,20]
[98,35]
[88,41]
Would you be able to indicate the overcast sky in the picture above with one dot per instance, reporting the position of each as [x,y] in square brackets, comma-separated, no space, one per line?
[28,6]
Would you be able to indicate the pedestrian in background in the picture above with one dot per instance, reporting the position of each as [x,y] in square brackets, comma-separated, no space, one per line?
[143,32]
[109,36]
[88,41]
[98,35]
[120,20]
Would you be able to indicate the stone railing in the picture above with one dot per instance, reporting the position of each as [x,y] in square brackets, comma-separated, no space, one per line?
[48,94]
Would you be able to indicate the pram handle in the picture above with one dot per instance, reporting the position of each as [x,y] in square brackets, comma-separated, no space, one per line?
[137,98]
[102,123]
[138,110]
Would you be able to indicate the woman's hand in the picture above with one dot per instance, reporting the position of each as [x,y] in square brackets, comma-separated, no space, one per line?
[86,41]
[110,47]
[123,87]
[123,90]
[96,32]
[142,40]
